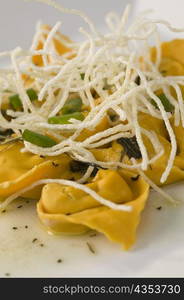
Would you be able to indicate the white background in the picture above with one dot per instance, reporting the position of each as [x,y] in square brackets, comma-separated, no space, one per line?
[18,18]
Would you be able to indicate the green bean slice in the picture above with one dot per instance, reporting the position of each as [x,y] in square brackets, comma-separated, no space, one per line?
[38,139]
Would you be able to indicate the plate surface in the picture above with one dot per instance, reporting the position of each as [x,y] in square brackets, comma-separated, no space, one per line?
[159,250]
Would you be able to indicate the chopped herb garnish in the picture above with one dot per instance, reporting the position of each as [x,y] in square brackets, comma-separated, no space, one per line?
[32,94]
[138,80]
[34,240]
[65,119]
[5,133]
[114,117]
[59,261]
[90,247]
[78,166]
[71,106]
[41,245]
[54,164]
[166,103]
[38,139]
[131,147]
[135,178]
[95,171]
[20,206]
[7,274]
[4,210]
[159,207]
[26,226]
[14,228]
[15,101]
[81,167]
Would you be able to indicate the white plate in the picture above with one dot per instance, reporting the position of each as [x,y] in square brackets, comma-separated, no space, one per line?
[159,250]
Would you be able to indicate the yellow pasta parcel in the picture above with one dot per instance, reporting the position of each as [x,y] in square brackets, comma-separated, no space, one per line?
[19,170]
[72,211]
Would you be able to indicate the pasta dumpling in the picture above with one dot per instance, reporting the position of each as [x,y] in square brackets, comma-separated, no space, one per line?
[72,211]
[19,170]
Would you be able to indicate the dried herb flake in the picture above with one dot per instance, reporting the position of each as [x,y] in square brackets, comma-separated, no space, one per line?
[81,167]
[54,164]
[90,247]
[131,147]
[20,206]
[93,234]
[138,80]
[34,240]
[159,207]
[165,102]
[135,178]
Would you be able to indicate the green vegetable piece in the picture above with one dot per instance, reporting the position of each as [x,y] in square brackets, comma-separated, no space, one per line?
[71,106]
[166,103]
[65,119]
[38,139]
[15,101]
[82,75]
[32,94]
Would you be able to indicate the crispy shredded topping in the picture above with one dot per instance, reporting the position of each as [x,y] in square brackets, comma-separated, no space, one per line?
[108,65]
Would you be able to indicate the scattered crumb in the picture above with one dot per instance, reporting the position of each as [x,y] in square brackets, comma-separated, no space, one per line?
[26,226]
